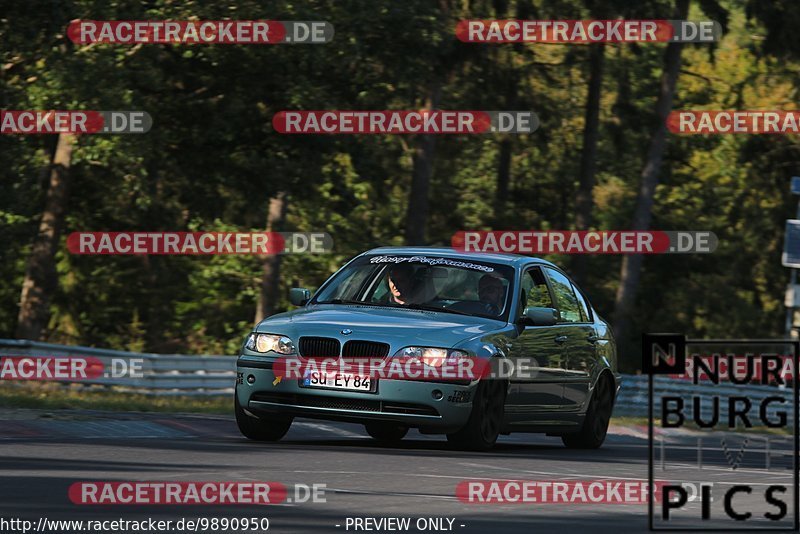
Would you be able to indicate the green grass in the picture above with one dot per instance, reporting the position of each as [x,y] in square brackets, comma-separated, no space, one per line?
[629,421]
[78,397]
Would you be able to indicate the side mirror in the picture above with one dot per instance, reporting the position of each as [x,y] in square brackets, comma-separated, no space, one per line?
[299,296]
[540,316]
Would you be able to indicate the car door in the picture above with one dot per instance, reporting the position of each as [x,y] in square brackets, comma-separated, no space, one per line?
[537,348]
[579,347]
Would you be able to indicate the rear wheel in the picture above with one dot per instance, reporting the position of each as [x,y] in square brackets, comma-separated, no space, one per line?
[265,428]
[595,426]
[483,427]
[386,432]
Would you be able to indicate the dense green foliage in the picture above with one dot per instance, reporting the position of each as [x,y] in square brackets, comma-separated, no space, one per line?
[212,161]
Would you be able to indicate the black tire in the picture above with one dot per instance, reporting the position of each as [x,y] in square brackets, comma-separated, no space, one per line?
[483,426]
[595,426]
[386,433]
[263,428]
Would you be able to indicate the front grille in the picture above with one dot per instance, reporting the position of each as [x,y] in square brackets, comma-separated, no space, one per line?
[341,404]
[365,349]
[319,347]
[336,403]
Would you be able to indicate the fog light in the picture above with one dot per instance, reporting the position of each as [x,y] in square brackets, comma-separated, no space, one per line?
[251,379]
[437,395]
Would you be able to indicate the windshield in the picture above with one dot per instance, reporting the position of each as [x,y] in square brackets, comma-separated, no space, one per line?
[459,286]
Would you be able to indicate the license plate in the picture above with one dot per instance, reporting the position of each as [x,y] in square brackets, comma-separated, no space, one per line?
[345,381]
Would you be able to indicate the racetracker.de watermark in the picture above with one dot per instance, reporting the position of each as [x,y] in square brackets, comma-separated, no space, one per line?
[587,31]
[177,493]
[405,122]
[199,243]
[585,242]
[442,368]
[50,368]
[74,122]
[130,32]
[695,122]
[555,491]
[70,368]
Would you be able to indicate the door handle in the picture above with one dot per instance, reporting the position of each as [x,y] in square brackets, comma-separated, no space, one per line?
[592,338]
[560,339]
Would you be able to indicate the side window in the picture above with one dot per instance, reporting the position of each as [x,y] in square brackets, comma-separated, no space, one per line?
[567,303]
[534,289]
[586,313]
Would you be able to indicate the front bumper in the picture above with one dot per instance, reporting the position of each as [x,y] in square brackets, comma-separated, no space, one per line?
[432,407]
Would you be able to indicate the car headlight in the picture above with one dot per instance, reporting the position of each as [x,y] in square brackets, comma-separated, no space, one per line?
[269,343]
[431,356]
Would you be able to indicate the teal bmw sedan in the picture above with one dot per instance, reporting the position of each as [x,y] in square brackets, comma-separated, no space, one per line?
[548,360]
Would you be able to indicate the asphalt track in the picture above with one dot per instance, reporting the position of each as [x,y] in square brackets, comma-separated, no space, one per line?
[42,454]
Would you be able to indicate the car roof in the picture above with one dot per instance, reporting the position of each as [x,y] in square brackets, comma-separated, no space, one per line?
[514,260]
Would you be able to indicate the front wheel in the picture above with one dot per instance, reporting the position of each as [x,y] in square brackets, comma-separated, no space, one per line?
[266,428]
[595,426]
[483,426]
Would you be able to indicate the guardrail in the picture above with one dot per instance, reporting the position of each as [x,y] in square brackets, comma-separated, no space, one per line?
[161,374]
[175,374]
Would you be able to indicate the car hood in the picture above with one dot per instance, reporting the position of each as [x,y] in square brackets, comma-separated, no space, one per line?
[397,326]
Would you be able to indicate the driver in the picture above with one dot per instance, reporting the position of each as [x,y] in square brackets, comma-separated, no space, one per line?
[492,293]
[401,284]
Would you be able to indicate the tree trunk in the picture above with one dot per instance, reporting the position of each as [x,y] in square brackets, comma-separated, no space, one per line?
[631,271]
[418,201]
[509,75]
[503,181]
[583,200]
[41,278]
[271,266]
